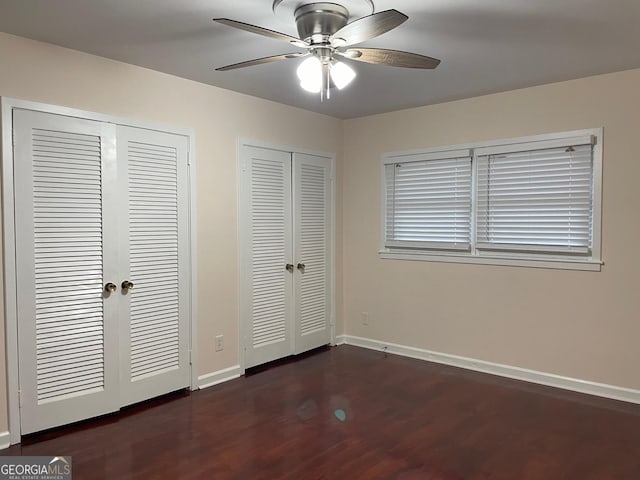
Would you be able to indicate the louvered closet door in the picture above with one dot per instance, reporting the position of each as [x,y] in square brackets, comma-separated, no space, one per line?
[312,252]
[265,249]
[154,248]
[67,326]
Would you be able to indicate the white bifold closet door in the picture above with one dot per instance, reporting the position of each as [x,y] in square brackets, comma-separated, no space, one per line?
[89,213]
[265,250]
[67,331]
[285,259]
[153,253]
[312,251]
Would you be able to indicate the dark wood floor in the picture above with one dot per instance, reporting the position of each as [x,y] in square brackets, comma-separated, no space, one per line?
[349,413]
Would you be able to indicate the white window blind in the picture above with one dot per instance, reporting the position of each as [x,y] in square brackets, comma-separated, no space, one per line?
[530,201]
[428,203]
[537,200]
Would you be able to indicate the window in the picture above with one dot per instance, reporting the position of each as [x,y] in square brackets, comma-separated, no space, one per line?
[532,201]
[429,202]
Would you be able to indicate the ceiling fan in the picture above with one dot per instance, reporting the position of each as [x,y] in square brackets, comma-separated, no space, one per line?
[326,33]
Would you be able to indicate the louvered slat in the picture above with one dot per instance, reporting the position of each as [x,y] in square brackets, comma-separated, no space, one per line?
[313,248]
[153,255]
[67,213]
[268,218]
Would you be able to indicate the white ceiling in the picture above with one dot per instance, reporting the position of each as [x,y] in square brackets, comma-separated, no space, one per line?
[485,45]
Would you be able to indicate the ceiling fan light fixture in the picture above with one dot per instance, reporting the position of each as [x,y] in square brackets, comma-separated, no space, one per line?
[310,74]
[311,87]
[342,74]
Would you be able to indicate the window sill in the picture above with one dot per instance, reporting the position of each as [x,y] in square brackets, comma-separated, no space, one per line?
[583,265]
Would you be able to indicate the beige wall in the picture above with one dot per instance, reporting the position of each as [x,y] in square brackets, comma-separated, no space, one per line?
[45,73]
[578,324]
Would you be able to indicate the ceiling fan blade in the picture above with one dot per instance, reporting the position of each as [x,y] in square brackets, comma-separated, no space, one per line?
[395,58]
[368,27]
[265,32]
[260,61]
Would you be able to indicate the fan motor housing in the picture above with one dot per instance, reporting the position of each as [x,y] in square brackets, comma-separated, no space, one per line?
[321,19]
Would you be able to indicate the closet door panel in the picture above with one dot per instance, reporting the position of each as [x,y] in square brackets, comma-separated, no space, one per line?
[67,324]
[265,250]
[312,252]
[154,245]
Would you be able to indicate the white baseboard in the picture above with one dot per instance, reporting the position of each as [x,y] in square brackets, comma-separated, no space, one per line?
[549,379]
[214,378]
[5,440]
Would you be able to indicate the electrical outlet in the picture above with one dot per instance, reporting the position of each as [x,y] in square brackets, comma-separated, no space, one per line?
[219,343]
[364,317]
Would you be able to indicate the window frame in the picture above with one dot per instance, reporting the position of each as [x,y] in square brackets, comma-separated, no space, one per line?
[534,257]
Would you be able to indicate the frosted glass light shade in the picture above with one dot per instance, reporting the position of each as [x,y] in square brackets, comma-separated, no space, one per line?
[310,75]
[342,74]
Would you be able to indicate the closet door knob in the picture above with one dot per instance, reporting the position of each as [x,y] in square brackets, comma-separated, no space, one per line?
[301,267]
[127,285]
[110,287]
[289,267]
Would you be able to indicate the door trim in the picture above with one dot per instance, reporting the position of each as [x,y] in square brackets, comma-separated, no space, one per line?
[7,105]
[246,142]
